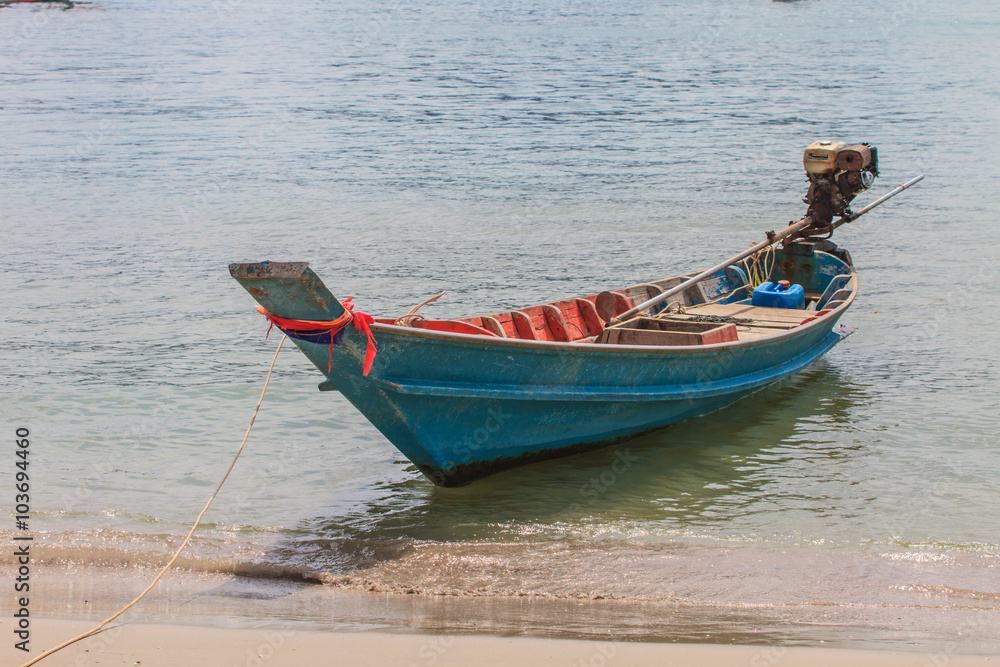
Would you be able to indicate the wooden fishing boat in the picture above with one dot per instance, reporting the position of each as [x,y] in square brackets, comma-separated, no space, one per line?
[468,397]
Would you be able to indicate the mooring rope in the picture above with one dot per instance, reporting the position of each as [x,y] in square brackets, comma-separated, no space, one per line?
[721,319]
[187,539]
[412,316]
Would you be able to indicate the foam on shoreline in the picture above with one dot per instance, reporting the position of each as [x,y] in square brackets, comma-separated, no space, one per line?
[211,599]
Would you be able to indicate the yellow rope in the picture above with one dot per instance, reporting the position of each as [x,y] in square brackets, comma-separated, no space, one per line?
[666,312]
[187,539]
[759,266]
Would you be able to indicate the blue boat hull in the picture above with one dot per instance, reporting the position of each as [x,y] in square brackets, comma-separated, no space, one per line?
[460,421]
[462,407]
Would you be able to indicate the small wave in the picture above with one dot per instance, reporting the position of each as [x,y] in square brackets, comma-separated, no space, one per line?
[790,120]
[620,567]
[360,583]
[952,592]
[919,557]
[132,560]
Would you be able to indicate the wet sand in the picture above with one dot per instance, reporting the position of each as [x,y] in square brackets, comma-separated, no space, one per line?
[208,618]
[155,645]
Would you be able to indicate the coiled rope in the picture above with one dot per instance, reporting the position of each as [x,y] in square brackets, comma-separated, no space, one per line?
[412,316]
[187,539]
[759,265]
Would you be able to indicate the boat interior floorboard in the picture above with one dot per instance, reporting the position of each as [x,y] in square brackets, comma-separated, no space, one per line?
[762,321]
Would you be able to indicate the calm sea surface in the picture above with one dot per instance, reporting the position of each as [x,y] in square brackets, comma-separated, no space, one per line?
[507,152]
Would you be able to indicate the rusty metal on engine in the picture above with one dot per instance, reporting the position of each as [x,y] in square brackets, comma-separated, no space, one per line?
[837,174]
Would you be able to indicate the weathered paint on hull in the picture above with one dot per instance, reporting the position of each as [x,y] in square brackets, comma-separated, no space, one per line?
[458,419]
[462,407]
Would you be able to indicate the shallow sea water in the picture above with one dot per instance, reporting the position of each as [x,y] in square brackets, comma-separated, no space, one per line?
[508,153]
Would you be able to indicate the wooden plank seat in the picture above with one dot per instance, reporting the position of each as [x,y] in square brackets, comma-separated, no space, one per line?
[523,325]
[579,318]
[588,313]
[643,292]
[765,321]
[506,322]
[547,322]
[566,321]
[622,302]
[493,324]
[691,296]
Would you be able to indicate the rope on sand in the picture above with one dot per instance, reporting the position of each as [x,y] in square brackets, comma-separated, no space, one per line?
[187,539]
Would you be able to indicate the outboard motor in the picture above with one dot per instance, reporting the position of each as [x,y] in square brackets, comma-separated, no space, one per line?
[837,174]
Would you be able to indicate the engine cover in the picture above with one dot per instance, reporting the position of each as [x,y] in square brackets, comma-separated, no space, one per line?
[837,174]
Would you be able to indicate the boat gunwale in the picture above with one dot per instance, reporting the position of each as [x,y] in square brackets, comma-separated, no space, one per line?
[701,390]
[660,349]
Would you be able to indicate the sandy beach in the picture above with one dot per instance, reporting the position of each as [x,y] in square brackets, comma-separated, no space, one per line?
[156,645]
[198,618]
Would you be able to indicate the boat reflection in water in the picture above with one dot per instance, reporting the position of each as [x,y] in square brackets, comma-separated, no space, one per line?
[701,474]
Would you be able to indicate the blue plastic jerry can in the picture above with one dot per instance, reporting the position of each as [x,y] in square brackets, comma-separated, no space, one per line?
[782,294]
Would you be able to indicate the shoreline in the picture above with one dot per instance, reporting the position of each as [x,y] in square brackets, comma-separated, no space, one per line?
[213,618]
[274,644]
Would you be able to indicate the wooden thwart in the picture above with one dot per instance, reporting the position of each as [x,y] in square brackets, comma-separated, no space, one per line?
[651,331]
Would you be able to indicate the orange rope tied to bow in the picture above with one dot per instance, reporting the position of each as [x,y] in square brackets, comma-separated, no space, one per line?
[361,323]
[332,327]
